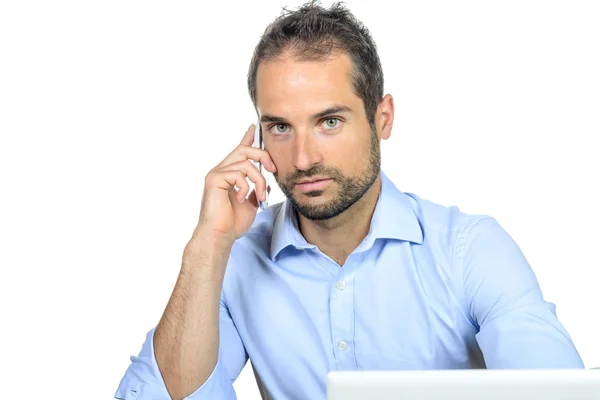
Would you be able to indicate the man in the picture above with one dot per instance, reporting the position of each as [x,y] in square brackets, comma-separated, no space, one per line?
[349,273]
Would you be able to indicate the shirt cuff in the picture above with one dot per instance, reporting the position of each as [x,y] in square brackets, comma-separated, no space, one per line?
[143,381]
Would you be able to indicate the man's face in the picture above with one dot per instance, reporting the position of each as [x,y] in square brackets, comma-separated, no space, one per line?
[315,128]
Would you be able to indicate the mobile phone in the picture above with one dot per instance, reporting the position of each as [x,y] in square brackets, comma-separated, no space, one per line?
[258,142]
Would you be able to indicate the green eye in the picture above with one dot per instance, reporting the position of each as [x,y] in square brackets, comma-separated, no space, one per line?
[280,128]
[331,122]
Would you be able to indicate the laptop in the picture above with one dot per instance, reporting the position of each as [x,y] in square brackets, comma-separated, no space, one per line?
[476,384]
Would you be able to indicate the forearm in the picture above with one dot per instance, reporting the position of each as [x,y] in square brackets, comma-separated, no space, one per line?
[186,341]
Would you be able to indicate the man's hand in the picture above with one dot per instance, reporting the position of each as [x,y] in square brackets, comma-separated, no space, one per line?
[227,210]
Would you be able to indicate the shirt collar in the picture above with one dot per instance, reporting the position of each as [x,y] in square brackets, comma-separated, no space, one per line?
[394,218]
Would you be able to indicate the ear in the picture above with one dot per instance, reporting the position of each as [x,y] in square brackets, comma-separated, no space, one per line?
[384,118]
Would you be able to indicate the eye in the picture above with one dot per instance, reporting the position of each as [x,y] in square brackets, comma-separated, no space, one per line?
[278,129]
[331,123]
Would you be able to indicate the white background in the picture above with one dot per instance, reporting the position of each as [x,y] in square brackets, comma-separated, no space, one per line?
[112,112]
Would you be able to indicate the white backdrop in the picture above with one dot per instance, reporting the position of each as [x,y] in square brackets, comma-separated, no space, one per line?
[112,112]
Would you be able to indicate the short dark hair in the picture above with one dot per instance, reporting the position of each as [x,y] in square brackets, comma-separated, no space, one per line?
[312,33]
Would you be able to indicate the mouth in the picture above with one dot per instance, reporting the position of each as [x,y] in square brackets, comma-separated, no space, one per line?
[309,185]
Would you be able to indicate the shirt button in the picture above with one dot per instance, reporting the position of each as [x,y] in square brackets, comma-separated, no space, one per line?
[342,345]
[340,285]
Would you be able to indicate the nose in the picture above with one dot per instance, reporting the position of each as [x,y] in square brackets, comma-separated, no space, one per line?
[306,152]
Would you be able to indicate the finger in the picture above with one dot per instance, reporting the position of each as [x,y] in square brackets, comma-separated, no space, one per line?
[243,153]
[242,191]
[228,180]
[248,138]
[253,175]
[250,205]
[268,163]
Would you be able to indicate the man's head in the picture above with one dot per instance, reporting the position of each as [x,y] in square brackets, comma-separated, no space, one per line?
[317,84]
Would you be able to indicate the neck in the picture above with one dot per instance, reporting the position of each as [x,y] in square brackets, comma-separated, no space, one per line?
[339,236]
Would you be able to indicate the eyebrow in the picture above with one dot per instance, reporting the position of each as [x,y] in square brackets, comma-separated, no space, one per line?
[336,109]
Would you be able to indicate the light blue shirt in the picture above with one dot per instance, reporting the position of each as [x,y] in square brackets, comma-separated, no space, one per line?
[429,287]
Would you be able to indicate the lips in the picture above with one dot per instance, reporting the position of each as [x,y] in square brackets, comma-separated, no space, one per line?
[314,184]
[312,180]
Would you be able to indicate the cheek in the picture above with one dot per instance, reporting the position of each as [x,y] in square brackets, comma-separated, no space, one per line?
[349,156]
[283,161]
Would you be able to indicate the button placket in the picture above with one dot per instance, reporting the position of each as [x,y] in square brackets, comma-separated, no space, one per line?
[342,319]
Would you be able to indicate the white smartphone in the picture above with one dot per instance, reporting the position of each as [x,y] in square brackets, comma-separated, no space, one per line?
[258,142]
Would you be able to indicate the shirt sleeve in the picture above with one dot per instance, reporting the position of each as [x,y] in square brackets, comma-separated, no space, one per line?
[143,380]
[517,328]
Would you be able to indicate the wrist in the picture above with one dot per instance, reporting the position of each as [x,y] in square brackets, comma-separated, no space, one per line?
[208,245]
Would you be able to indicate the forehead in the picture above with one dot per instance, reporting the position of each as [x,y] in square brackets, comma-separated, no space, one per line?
[288,86]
